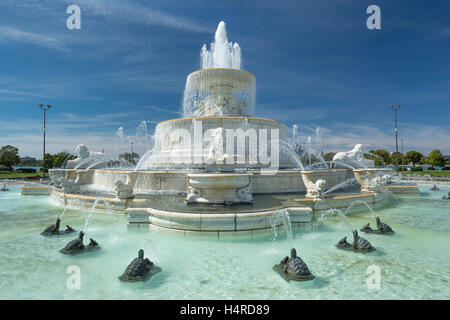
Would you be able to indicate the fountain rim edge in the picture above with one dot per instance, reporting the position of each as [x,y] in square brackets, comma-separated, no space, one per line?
[219,117]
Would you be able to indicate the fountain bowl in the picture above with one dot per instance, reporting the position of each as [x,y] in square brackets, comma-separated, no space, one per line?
[221,80]
[219,188]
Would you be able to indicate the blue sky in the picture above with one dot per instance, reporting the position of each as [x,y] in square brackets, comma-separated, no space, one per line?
[315,63]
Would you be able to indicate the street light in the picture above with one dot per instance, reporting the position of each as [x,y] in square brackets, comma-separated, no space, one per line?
[45,109]
[396,133]
[403,166]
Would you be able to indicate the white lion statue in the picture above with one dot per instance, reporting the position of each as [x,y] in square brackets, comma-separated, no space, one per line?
[83,154]
[354,157]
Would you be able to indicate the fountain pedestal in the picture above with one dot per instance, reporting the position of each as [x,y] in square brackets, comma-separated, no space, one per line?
[365,177]
[219,188]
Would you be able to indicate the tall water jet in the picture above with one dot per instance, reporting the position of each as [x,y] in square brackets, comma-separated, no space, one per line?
[88,218]
[219,82]
[222,54]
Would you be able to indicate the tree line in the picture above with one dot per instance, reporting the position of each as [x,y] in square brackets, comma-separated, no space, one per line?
[9,157]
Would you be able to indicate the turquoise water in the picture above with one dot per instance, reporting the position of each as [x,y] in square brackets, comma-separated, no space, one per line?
[414,263]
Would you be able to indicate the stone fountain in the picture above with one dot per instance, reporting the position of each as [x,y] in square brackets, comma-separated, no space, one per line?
[218,170]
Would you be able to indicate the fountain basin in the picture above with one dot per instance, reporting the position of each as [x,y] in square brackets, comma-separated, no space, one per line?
[218,224]
[35,190]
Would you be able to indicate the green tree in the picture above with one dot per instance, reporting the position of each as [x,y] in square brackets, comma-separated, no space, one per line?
[329,156]
[393,157]
[48,161]
[61,158]
[413,156]
[380,157]
[131,158]
[436,158]
[9,156]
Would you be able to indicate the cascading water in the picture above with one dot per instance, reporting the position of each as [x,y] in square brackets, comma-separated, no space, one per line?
[282,217]
[309,149]
[287,149]
[362,202]
[331,211]
[347,183]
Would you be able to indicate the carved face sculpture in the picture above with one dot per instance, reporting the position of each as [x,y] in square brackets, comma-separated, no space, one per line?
[82,151]
[221,101]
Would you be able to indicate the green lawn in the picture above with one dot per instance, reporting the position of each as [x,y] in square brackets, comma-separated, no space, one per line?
[445,173]
[18,175]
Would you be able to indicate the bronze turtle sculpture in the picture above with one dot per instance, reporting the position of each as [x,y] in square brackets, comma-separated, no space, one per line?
[359,244]
[382,228]
[76,246]
[293,268]
[434,187]
[140,269]
[53,229]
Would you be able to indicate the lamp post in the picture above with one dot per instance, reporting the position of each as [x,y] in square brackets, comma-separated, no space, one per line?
[45,109]
[395,108]
[403,166]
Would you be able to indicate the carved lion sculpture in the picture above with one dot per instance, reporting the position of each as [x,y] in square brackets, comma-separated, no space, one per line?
[354,157]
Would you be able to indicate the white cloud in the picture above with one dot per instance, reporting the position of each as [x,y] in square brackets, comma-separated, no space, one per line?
[422,138]
[116,11]
[41,40]
[133,13]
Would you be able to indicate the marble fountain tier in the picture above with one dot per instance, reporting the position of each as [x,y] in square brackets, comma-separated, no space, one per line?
[218,171]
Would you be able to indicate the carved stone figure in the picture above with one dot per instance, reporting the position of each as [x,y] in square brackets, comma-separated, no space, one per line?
[377,184]
[386,179]
[76,246]
[68,186]
[354,157]
[220,105]
[54,229]
[123,191]
[245,194]
[85,159]
[293,268]
[140,269]
[82,152]
[193,194]
[314,190]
